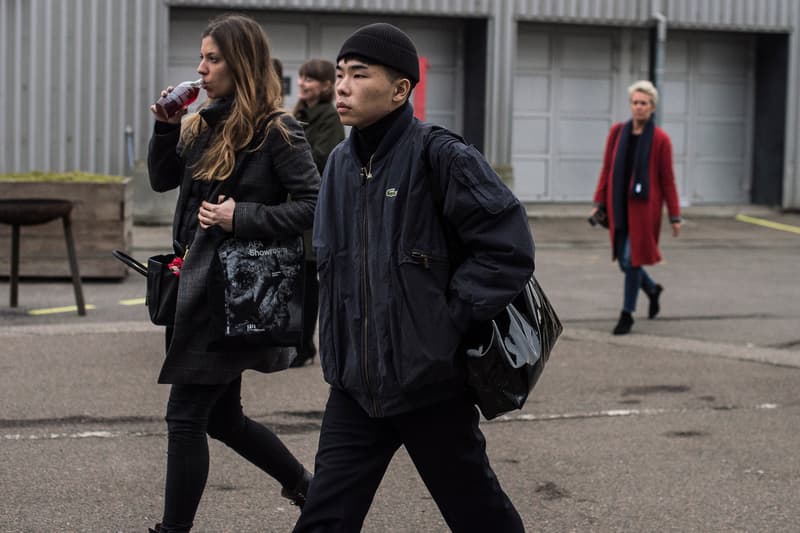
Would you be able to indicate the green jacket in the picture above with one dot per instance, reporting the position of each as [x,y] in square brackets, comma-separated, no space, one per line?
[323,130]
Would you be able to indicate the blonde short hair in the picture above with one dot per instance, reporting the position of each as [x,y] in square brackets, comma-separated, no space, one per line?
[646,87]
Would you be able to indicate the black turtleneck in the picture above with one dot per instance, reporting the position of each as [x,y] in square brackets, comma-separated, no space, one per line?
[368,139]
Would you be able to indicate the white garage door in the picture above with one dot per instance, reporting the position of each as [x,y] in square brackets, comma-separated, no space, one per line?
[709,94]
[570,86]
[563,104]
[297,37]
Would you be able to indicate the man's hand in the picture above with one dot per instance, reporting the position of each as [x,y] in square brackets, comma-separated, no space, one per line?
[217,214]
[676,229]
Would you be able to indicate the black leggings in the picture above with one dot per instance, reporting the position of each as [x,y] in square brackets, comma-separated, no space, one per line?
[196,410]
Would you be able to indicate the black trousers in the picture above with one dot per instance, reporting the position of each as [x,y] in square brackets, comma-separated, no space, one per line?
[196,410]
[446,446]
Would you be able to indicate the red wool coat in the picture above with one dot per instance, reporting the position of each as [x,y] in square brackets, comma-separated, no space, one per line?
[644,216]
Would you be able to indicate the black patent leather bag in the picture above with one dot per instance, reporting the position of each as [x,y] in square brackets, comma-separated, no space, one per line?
[507,355]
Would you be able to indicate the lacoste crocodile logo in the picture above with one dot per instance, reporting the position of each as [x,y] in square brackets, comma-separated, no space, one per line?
[391,193]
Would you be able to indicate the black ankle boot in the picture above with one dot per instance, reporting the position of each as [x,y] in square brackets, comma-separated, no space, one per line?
[156,530]
[655,307]
[625,324]
[304,356]
[297,496]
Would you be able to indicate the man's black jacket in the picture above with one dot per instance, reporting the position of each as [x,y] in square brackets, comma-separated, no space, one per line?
[393,309]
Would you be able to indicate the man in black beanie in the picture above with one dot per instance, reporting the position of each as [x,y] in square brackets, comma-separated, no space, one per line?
[416,239]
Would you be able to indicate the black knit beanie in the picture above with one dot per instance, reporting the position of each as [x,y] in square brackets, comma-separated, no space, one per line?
[384,44]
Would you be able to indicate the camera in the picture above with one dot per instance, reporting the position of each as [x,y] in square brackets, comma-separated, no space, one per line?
[599,217]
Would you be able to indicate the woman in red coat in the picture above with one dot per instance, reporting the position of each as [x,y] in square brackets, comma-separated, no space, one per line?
[635,181]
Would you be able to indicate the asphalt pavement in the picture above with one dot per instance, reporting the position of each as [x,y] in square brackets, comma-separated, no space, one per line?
[690,423]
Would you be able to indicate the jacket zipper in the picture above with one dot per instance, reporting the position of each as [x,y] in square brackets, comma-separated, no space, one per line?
[366,175]
[426,259]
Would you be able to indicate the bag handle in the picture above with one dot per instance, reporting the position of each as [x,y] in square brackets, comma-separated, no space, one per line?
[130,262]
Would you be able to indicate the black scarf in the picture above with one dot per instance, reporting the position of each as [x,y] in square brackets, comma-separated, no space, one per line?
[640,186]
[216,111]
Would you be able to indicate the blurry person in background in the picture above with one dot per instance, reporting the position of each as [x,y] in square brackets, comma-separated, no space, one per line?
[315,111]
[636,180]
[324,131]
[278,66]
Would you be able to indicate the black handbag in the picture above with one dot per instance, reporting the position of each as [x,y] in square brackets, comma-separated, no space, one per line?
[162,285]
[506,356]
[262,289]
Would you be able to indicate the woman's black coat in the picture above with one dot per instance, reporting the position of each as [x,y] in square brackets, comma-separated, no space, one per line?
[197,351]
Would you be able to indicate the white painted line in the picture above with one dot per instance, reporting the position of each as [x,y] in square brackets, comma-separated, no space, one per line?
[613,413]
[521,417]
[81,435]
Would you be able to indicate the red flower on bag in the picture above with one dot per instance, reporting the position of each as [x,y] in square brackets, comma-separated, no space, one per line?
[175,266]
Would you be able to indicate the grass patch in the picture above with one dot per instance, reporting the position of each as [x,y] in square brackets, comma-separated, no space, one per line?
[61,177]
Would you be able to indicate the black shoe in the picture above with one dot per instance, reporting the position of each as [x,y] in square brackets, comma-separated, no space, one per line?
[655,307]
[156,530]
[625,324]
[297,496]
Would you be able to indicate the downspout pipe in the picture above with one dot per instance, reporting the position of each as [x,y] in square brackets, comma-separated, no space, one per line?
[501,64]
[659,51]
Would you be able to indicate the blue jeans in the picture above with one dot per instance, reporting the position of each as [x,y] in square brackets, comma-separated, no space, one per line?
[635,277]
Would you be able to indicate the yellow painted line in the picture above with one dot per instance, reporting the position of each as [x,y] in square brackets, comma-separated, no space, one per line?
[132,301]
[56,310]
[768,224]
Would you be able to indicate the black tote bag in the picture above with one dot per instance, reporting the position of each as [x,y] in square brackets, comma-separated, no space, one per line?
[260,281]
[262,289]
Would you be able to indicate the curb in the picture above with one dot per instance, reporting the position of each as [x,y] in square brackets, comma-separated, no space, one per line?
[756,354]
[582,210]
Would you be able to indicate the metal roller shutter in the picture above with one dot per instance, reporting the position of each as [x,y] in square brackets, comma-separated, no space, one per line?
[564,93]
[570,86]
[708,107]
[296,37]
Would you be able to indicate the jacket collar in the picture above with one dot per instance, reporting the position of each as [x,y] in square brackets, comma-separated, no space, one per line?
[215,112]
[393,131]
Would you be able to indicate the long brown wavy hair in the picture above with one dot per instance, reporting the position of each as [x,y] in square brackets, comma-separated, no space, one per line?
[244,45]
